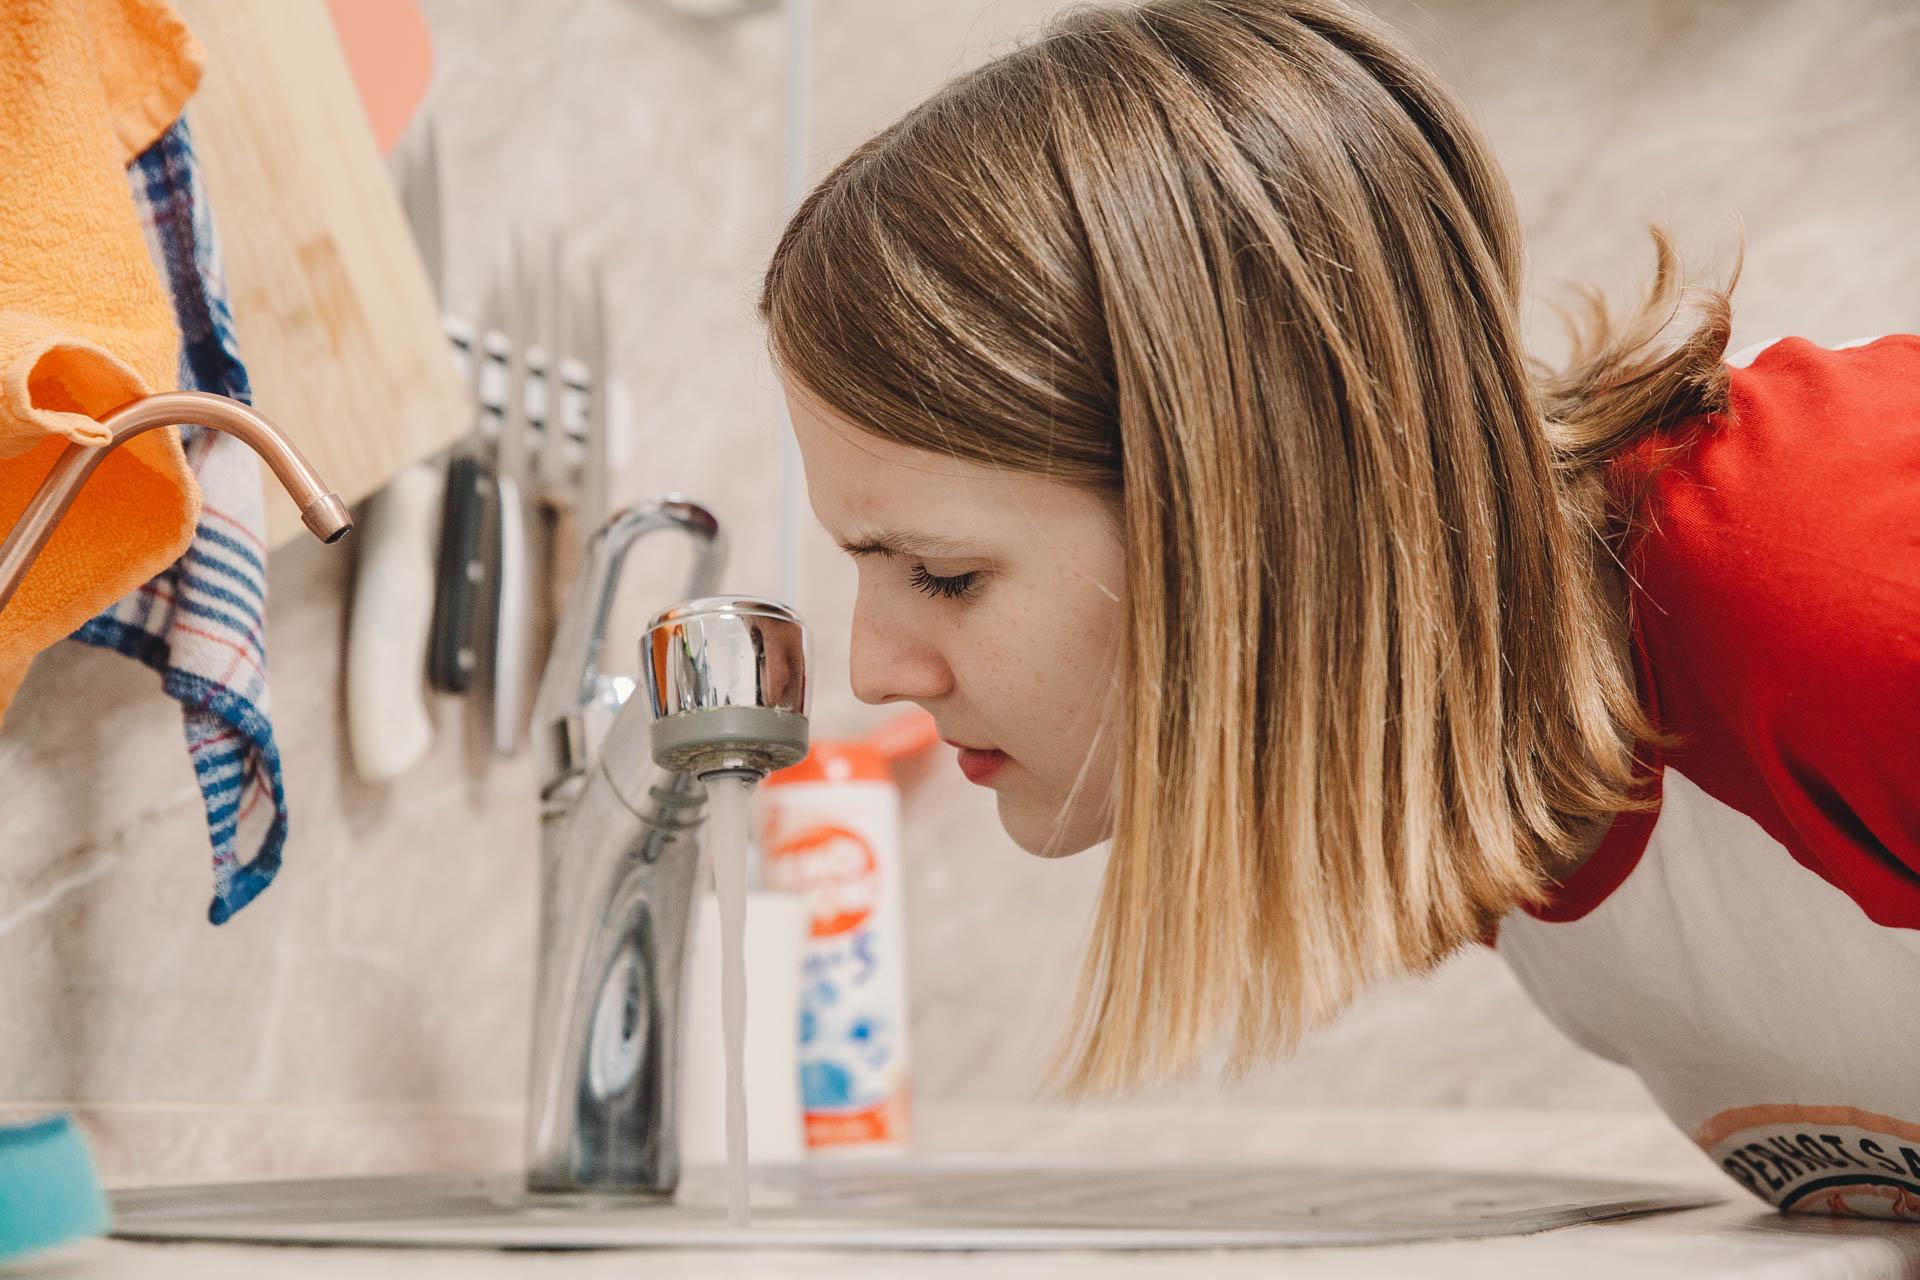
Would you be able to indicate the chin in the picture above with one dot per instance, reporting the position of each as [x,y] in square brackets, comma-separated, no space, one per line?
[1038,830]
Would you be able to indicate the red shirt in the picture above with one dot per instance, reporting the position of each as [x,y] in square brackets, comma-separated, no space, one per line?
[1778,605]
[1758,932]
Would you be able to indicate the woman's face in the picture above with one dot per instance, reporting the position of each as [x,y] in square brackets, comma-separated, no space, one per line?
[994,600]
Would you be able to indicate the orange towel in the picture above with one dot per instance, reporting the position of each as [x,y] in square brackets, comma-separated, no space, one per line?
[85,326]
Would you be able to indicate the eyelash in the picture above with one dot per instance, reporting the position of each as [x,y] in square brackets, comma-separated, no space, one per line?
[954,588]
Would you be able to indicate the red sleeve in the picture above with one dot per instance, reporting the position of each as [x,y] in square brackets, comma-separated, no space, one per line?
[1779,577]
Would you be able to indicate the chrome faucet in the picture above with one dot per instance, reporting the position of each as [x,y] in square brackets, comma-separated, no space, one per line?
[622,806]
[321,510]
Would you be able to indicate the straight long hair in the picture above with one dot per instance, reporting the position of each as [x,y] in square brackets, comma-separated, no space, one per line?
[1247,268]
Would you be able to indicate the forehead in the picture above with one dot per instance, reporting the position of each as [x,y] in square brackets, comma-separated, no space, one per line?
[856,476]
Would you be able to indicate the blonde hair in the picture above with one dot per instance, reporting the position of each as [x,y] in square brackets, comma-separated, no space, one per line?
[1247,266]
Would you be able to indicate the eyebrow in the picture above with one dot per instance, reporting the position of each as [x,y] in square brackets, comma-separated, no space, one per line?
[889,542]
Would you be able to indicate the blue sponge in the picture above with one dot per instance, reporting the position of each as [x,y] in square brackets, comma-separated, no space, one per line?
[49,1192]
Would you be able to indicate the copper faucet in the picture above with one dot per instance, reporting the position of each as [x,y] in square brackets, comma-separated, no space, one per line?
[320,509]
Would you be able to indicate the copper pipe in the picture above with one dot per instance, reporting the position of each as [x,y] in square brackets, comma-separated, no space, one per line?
[320,509]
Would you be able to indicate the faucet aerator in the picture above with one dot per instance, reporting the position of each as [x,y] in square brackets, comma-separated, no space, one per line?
[716,740]
[726,683]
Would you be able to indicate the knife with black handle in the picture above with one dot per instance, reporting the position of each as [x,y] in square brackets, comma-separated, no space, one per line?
[451,658]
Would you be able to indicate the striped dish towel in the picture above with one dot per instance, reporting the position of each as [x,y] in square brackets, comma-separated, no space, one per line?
[201,624]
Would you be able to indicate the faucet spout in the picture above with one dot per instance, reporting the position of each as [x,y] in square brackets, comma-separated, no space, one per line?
[320,509]
[726,694]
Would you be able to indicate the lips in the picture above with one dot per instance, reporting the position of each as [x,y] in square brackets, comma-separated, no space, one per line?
[980,764]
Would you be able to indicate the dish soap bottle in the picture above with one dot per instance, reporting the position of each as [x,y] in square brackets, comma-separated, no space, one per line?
[831,834]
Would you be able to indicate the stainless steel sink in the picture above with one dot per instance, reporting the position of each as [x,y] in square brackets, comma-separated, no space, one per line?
[949,1204]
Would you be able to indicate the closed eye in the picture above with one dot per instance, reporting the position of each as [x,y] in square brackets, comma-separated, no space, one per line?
[953,588]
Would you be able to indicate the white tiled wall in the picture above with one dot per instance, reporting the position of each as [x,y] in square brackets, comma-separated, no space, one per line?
[369,1010]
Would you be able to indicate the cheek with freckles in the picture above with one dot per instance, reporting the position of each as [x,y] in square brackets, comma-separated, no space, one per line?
[1041,679]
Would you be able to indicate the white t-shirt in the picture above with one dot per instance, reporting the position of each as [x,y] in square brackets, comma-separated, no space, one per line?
[1752,949]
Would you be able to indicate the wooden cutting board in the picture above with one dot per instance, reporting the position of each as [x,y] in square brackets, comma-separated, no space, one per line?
[336,318]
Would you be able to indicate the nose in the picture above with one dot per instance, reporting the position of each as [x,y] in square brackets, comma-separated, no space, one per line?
[890,663]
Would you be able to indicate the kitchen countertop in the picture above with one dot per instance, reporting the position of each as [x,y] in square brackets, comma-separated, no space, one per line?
[1738,1237]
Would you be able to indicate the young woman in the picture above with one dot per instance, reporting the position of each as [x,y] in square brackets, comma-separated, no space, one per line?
[1164,378]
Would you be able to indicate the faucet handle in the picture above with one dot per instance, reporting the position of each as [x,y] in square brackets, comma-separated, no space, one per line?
[582,733]
[576,702]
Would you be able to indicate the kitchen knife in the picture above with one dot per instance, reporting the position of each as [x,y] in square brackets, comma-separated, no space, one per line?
[513,482]
[388,725]
[553,464]
[461,572]
[452,659]
[596,467]
[558,491]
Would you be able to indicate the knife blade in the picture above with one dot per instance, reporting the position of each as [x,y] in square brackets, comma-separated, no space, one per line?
[512,580]
[596,465]
[558,490]
[553,343]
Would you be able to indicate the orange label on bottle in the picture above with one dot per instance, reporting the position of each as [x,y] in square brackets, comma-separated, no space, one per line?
[882,1122]
[835,870]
